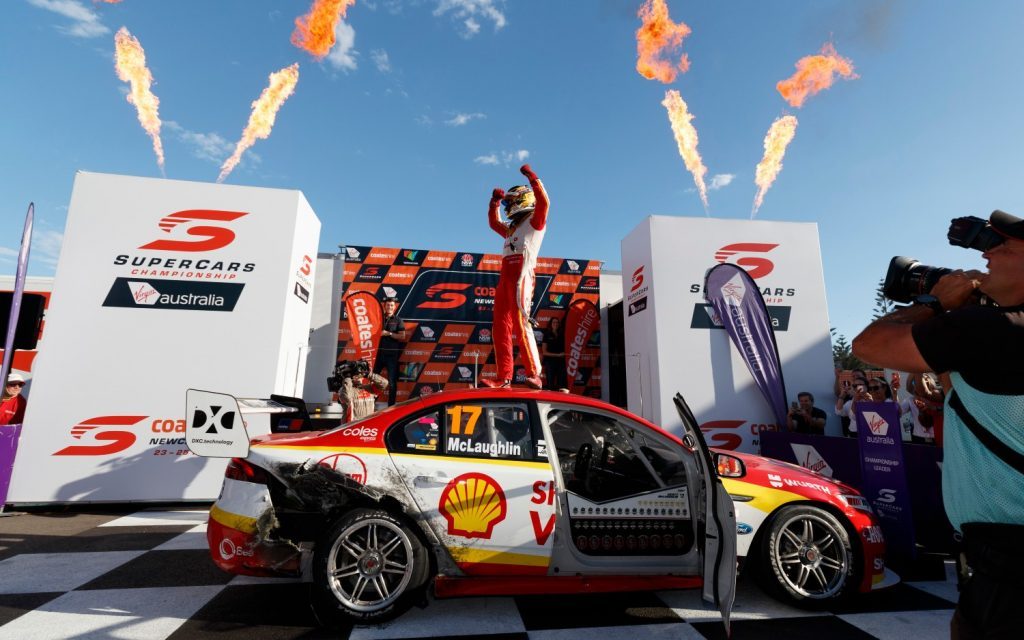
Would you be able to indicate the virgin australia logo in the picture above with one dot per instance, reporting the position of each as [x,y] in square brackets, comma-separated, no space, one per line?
[876,423]
[143,293]
[733,291]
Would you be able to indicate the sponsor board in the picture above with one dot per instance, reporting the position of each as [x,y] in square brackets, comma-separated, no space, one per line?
[173,294]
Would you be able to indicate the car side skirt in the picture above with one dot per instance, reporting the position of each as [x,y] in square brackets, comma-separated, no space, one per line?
[452,587]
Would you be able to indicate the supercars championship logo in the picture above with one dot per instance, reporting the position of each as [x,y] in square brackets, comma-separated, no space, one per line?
[160,282]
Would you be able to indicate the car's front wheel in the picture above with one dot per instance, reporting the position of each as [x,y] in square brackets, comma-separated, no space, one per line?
[807,557]
[369,567]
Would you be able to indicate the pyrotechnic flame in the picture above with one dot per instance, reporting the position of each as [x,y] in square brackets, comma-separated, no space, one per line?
[775,143]
[655,35]
[130,63]
[314,31]
[686,138]
[814,74]
[264,112]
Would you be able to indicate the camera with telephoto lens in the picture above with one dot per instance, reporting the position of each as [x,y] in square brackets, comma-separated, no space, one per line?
[907,278]
[347,369]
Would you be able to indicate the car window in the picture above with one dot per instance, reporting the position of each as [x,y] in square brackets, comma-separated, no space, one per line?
[488,430]
[420,434]
[666,460]
[597,457]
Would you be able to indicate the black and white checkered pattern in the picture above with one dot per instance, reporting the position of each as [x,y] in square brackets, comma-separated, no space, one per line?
[147,575]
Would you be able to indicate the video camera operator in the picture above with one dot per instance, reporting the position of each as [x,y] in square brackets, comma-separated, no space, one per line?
[981,348]
[357,388]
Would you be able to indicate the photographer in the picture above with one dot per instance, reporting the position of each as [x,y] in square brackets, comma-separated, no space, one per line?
[804,417]
[357,388]
[981,347]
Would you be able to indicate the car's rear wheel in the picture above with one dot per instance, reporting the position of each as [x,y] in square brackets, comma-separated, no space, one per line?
[369,567]
[807,557]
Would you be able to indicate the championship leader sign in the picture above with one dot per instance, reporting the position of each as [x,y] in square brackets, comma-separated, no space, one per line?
[675,341]
[447,302]
[161,286]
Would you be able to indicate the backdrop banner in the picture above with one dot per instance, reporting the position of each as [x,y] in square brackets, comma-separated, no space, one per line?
[741,310]
[365,318]
[446,299]
[8,449]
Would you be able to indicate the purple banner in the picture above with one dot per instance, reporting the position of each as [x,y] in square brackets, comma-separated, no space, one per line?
[19,290]
[830,456]
[8,447]
[741,310]
[884,475]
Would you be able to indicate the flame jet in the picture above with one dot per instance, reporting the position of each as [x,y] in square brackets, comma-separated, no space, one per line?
[655,35]
[779,136]
[686,138]
[815,74]
[130,64]
[314,32]
[264,112]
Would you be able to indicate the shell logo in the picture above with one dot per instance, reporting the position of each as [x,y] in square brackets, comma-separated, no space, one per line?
[473,504]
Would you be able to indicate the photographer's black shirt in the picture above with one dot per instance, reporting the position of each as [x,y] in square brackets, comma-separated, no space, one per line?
[983,344]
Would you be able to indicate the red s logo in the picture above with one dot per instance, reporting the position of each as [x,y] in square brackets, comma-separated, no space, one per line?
[307,266]
[730,440]
[444,296]
[211,237]
[117,440]
[638,278]
[757,267]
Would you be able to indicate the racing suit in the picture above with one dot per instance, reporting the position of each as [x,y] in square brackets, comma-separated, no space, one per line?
[513,298]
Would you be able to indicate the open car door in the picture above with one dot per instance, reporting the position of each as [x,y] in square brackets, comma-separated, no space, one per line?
[719,540]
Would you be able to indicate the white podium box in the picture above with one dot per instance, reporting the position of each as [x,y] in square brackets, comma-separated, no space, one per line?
[161,286]
[672,343]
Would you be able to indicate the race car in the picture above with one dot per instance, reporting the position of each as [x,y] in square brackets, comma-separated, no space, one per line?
[468,492]
[810,540]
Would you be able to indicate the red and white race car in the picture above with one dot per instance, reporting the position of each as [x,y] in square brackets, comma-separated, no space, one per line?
[809,539]
[502,492]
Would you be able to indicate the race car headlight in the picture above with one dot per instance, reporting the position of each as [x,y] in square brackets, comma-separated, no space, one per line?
[855,501]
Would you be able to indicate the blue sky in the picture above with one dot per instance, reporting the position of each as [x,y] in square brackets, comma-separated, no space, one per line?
[425,105]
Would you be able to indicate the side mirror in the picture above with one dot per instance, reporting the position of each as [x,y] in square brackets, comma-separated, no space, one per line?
[729,466]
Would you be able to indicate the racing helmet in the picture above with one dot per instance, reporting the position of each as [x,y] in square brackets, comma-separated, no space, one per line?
[518,202]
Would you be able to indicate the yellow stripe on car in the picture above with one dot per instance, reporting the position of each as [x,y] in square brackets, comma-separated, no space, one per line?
[245,524]
[765,499]
[473,555]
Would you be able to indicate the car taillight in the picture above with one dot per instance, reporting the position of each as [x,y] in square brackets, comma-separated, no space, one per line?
[239,469]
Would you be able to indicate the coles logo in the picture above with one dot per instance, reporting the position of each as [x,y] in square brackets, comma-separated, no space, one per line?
[876,423]
[363,433]
[473,504]
[756,266]
[347,464]
[445,295]
[102,436]
[202,236]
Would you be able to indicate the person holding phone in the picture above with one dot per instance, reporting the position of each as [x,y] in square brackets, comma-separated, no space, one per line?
[804,417]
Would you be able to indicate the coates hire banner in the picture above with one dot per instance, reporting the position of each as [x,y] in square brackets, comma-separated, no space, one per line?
[161,285]
[673,342]
[447,303]
[365,318]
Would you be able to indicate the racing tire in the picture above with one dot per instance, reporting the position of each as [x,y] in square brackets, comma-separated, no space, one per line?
[369,567]
[806,557]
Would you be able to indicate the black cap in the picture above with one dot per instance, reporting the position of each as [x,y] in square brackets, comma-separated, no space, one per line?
[1007,225]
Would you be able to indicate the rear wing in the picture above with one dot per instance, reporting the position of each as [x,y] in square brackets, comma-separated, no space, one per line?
[215,425]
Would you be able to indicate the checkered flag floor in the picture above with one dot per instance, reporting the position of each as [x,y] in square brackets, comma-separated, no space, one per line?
[148,575]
